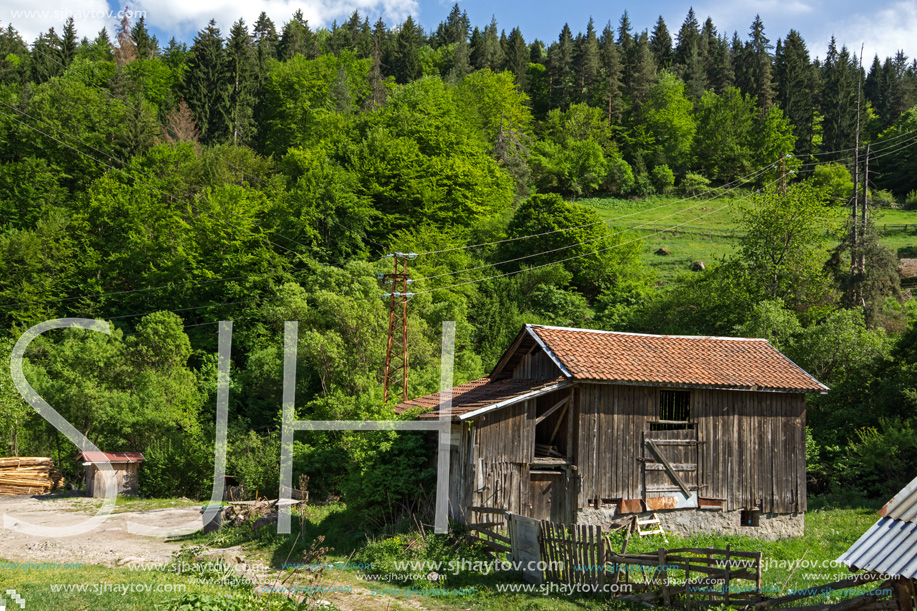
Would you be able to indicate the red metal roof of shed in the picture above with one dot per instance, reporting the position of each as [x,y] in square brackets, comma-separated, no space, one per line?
[114,457]
[478,394]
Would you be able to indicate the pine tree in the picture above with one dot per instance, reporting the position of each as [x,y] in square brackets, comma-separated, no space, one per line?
[695,75]
[661,44]
[588,65]
[264,37]
[688,38]
[560,68]
[493,50]
[720,71]
[478,50]
[147,46]
[872,88]
[206,85]
[242,75]
[101,48]
[127,50]
[407,52]
[642,74]
[838,100]
[45,52]
[12,45]
[296,39]
[625,38]
[753,74]
[611,75]
[454,29]
[793,84]
[68,45]
[377,90]
[517,59]
[180,126]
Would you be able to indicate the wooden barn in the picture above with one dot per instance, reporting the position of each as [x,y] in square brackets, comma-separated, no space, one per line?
[580,426]
[125,471]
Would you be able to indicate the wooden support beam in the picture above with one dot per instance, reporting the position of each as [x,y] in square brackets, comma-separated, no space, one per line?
[672,473]
[552,409]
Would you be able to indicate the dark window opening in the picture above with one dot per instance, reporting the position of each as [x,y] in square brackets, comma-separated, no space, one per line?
[749,517]
[551,426]
[674,411]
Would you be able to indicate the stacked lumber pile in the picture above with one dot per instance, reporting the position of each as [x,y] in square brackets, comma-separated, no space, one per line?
[28,475]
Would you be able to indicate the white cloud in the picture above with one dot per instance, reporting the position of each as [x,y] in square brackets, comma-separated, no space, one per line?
[183,18]
[31,18]
[884,31]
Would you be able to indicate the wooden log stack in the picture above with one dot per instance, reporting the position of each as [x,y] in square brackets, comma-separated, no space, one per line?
[28,475]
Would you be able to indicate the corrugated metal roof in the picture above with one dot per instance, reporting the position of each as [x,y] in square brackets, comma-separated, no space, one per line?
[903,505]
[98,457]
[889,547]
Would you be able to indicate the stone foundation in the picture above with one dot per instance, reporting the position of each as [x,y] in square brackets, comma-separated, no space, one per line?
[770,527]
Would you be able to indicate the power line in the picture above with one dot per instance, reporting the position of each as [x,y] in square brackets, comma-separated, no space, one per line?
[573,245]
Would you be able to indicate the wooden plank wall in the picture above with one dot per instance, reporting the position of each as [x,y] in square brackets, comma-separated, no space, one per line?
[504,446]
[753,455]
[461,471]
[536,365]
[612,420]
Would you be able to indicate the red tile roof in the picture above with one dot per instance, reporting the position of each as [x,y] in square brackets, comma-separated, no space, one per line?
[721,362]
[478,394]
[97,457]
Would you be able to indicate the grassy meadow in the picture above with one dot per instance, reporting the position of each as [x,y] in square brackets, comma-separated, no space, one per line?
[706,227]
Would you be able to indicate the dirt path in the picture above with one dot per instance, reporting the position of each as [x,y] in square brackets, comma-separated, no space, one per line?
[109,545]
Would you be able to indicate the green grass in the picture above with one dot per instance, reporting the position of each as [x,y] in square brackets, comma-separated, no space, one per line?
[130,503]
[832,525]
[707,229]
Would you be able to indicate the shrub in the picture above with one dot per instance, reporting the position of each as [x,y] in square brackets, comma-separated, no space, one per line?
[643,186]
[178,466]
[834,180]
[881,461]
[620,177]
[881,197]
[694,184]
[663,178]
[910,202]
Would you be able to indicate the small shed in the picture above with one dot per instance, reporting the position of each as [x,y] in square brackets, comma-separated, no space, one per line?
[125,469]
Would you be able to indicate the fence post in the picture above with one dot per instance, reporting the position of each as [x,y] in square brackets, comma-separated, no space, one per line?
[663,566]
[726,584]
[758,579]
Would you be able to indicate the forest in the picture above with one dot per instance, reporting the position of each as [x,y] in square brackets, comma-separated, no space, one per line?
[263,175]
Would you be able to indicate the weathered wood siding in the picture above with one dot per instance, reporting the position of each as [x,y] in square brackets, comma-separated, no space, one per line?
[752,451]
[503,448]
[611,424]
[536,365]
[755,450]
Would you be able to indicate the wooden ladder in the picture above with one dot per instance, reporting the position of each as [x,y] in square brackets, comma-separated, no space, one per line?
[655,525]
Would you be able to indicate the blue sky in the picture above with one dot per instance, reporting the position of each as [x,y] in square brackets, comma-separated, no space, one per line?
[883,26]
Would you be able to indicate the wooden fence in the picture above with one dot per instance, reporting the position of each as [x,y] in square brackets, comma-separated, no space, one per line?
[488,526]
[690,576]
[579,554]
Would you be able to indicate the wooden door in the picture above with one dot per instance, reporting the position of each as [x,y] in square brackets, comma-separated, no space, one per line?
[670,468]
[548,496]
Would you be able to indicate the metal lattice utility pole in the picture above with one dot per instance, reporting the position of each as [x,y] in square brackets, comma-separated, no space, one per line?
[396,351]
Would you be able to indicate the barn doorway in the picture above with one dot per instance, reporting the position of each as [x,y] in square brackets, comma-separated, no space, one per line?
[670,450]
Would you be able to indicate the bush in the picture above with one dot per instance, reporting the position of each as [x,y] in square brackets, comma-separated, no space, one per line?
[910,202]
[694,184]
[620,177]
[881,461]
[881,197]
[834,180]
[663,178]
[643,186]
[178,466]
